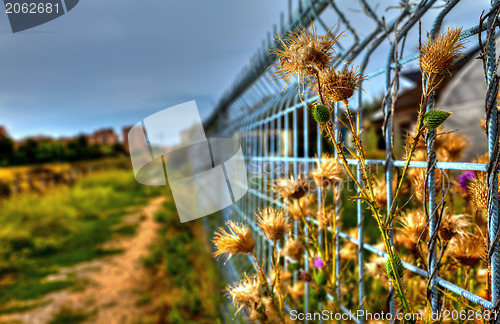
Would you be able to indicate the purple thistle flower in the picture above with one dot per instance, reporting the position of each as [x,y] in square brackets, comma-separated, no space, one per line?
[465,178]
[318,263]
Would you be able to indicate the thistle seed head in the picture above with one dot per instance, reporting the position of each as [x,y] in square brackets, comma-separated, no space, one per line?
[237,240]
[303,53]
[328,172]
[438,55]
[273,223]
[339,86]
[247,292]
[291,188]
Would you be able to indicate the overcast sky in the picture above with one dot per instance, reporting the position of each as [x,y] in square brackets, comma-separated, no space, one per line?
[114,62]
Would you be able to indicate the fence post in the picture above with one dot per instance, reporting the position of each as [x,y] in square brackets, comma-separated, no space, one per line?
[492,82]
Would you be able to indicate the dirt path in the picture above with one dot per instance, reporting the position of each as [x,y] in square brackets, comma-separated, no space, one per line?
[111,286]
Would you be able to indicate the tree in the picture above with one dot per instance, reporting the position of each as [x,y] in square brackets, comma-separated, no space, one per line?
[6,149]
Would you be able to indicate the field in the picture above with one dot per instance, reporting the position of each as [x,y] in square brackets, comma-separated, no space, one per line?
[9,173]
[106,232]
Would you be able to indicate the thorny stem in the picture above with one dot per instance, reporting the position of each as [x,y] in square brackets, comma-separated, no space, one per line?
[325,229]
[415,138]
[339,149]
[362,157]
[319,88]
[370,200]
[311,233]
[264,280]
[301,231]
[277,283]
[381,225]
[390,253]
[262,276]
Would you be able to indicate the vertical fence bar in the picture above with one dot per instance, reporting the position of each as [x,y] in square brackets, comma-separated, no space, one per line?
[336,129]
[389,160]
[295,149]
[261,203]
[433,223]
[305,139]
[361,281]
[492,82]
[320,191]
[269,171]
[359,210]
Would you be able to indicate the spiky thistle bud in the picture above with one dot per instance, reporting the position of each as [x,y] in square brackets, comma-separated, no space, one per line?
[321,114]
[434,118]
[306,276]
[321,278]
[398,264]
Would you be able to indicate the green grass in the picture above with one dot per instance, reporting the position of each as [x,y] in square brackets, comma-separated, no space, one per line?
[40,234]
[129,229]
[143,300]
[68,315]
[31,289]
[190,273]
[20,309]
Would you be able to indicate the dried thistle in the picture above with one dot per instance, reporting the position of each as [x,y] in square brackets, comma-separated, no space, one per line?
[452,146]
[449,146]
[293,249]
[469,250]
[291,188]
[324,218]
[482,122]
[485,158]
[270,313]
[418,182]
[478,192]
[238,240]
[380,190]
[349,250]
[453,225]
[284,278]
[339,86]
[328,172]
[438,55]
[376,267]
[247,292]
[304,205]
[303,53]
[413,226]
[273,223]
[297,291]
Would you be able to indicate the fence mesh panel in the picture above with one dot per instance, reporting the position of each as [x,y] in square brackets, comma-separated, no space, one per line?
[278,139]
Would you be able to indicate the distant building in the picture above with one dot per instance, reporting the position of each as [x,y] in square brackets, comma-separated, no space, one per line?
[65,139]
[36,138]
[462,93]
[125,131]
[105,136]
[3,132]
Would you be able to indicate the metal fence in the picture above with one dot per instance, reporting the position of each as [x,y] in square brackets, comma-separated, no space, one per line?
[277,139]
